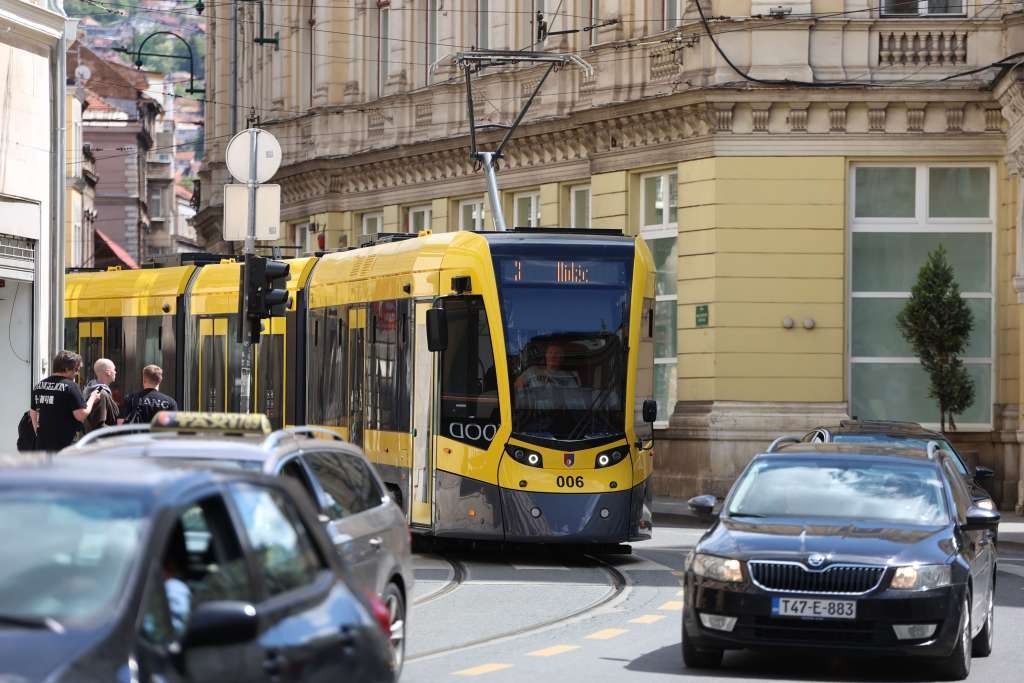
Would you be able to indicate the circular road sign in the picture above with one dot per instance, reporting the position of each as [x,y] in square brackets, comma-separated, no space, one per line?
[238,158]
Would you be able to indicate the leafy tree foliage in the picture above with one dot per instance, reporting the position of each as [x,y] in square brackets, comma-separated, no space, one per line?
[937,324]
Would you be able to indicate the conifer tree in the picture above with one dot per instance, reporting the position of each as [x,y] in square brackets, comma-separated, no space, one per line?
[937,324]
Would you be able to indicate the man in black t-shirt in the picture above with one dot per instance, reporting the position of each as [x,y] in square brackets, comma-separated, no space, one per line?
[58,408]
[141,406]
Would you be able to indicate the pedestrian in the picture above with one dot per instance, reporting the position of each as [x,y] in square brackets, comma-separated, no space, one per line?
[105,413]
[141,406]
[58,407]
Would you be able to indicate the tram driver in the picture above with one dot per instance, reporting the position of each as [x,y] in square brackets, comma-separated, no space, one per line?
[551,374]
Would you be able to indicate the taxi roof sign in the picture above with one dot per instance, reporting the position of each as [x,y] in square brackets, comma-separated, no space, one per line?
[239,423]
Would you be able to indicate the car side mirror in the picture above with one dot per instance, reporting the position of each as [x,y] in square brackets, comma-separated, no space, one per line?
[437,329]
[221,622]
[703,505]
[650,411]
[982,473]
[980,519]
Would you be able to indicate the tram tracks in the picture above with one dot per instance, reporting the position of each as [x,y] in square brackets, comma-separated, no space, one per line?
[617,584]
[455,580]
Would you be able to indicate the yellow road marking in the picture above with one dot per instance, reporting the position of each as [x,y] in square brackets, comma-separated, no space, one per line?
[678,574]
[606,634]
[647,619]
[553,650]
[482,669]
[673,606]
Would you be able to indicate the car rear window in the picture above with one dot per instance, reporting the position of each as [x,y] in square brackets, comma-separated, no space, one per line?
[908,441]
[861,489]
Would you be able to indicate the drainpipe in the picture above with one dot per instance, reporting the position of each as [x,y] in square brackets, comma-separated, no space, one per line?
[58,175]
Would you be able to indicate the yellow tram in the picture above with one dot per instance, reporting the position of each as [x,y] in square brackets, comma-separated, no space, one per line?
[510,416]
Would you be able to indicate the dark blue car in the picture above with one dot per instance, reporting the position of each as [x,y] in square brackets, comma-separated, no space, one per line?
[120,570]
[846,549]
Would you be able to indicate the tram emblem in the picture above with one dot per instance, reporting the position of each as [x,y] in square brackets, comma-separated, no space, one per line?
[569,459]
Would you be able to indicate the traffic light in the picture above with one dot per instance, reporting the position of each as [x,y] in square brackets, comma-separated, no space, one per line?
[263,293]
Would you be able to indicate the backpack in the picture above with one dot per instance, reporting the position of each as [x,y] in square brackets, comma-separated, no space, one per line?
[26,433]
[133,411]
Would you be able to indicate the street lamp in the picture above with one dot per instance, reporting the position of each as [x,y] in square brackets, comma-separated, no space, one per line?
[139,54]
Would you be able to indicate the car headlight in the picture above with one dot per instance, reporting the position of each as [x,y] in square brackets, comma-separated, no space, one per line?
[525,456]
[717,568]
[612,457]
[921,577]
[985,504]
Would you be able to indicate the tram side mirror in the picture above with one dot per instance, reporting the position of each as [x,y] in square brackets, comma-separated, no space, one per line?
[650,411]
[437,329]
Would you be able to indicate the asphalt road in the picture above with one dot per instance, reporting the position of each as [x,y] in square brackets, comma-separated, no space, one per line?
[522,618]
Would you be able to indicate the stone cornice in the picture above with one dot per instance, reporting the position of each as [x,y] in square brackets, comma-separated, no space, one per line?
[756,122]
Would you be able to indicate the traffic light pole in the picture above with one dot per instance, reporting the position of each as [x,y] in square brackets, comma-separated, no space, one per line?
[249,251]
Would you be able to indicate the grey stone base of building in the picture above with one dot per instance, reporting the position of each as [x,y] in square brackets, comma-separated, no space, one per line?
[708,443]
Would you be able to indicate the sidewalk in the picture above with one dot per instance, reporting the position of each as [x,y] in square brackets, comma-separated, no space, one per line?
[675,511]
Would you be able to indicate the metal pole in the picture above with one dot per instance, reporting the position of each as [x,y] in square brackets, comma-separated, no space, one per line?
[234,67]
[249,249]
[487,161]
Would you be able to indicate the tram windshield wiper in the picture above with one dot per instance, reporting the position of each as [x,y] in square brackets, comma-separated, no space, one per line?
[25,621]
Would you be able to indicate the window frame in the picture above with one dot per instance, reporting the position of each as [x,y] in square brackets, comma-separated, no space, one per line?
[665,22]
[573,189]
[371,215]
[922,11]
[431,40]
[483,24]
[533,221]
[427,210]
[663,230]
[921,223]
[594,11]
[480,221]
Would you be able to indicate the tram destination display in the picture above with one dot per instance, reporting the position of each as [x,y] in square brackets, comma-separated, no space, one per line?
[539,271]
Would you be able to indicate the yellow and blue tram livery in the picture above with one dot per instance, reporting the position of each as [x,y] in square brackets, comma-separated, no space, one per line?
[521,426]
[495,379]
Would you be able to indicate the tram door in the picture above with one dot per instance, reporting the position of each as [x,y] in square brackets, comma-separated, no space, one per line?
[270,369]
[90,347]
[212,383]
[422,427]
[356,373]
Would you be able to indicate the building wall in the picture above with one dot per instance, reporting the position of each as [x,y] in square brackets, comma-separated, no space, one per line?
[762,168]
[29,50]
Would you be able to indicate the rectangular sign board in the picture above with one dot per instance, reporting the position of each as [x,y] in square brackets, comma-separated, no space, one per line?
[236,212]
[702,315]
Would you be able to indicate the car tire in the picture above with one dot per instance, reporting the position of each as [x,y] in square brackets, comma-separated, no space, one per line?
[395,603]
[695,658]
[957,666]
[982,644]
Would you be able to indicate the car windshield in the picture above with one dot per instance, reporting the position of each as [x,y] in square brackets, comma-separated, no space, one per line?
[908,441]
[67,555]
[875,490]
[566,335]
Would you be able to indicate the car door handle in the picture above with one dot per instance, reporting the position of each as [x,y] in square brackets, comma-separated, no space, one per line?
[376,542]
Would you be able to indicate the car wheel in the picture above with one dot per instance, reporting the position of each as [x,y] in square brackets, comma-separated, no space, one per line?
[982,645]
[957,666]
[695,658]
[395,603]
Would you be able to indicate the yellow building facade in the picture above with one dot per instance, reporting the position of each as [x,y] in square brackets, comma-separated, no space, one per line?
[789,199]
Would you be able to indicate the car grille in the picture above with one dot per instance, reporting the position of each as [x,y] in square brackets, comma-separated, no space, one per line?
[817,632]
[841,579]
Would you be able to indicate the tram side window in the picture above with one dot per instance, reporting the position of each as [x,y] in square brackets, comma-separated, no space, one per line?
[234,366]
[115,351]
[469,385]
[270,361]
[403,366]
[315,367]
[383,347]
[336,400]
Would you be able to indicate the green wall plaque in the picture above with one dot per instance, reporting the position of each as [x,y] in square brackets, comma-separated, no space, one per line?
[702,315]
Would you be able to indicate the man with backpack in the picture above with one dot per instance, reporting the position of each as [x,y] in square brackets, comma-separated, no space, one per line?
[141,406]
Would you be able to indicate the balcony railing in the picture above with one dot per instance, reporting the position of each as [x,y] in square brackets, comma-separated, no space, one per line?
[902,47]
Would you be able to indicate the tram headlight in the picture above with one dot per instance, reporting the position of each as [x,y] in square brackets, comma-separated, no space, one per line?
[525,456]
[609,458]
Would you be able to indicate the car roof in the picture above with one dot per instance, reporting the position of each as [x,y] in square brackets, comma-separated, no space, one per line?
[883,427]
[140,477]
[847,449]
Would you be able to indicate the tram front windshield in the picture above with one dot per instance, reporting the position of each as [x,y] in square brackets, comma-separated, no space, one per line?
[566,324]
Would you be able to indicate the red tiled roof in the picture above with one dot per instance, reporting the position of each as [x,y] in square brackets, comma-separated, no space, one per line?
[122,255]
